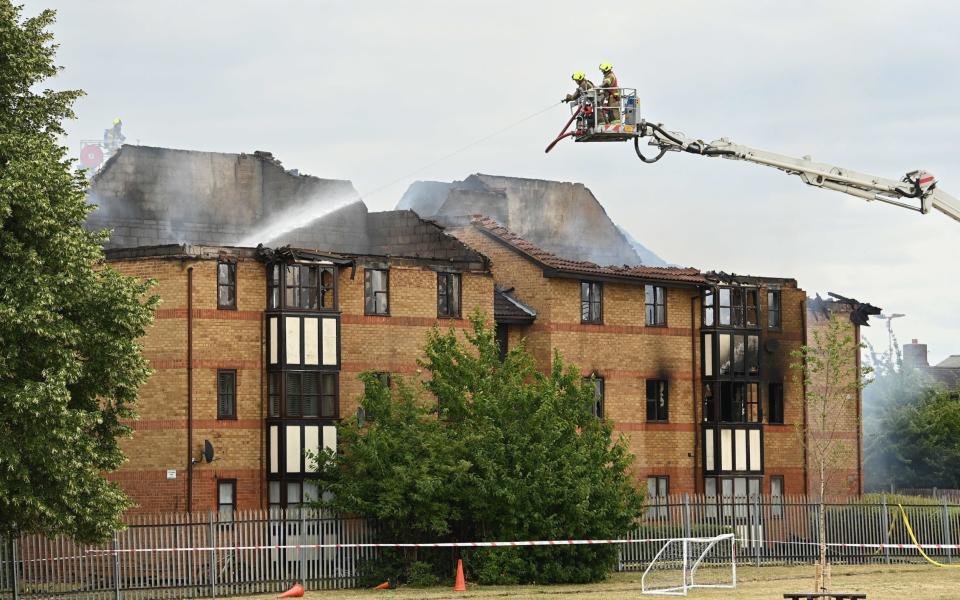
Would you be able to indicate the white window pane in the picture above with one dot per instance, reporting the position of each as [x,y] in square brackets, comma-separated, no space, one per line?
[226,493]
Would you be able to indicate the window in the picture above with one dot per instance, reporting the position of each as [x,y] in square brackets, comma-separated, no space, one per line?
[750,295]
[708,308]
[773,309]
[226,394]
[226,285]
[738,355]
[591,302]
[291,494]
[658,488]
[657,405]
[739,402]
[656,302]
[503,340]
[738,307]
[309,287]
[596,408]
[310,395]
[226,498]
[376,285]
[734,495]
[448,295]
[776,495]
[273,286]
[273,394]
[775,403]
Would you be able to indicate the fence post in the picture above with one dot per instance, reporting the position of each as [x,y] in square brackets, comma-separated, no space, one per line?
[212,542]
[946,530]
[303,540]
[686,516]
[116,567]
[886,530]
[756,530]
[14,550]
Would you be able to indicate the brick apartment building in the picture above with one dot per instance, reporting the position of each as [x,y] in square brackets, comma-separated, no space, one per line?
[256,350]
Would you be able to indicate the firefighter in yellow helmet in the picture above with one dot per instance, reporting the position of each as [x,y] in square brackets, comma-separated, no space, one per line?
[609,95]
[584,85]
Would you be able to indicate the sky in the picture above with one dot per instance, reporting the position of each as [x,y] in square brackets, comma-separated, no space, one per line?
[383,92]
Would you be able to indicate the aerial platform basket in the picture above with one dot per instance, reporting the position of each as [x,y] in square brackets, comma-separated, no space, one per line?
[597,118]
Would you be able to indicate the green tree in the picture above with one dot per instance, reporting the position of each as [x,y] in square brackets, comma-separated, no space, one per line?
[832,381]
[492,451]
[70,363]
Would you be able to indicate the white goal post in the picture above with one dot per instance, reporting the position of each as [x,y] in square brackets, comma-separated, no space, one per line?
[684,557]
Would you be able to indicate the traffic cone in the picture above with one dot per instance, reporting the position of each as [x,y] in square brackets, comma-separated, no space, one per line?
[461,584]
[383,586]
[295,592]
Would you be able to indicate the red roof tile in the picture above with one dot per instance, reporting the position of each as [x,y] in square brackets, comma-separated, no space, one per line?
[550,260]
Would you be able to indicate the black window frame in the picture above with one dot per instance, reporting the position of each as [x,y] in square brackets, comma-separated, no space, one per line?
[222,414]
[660,411]
[777,500]
[502,335]
[598,407]
[230,284]
[591,296]
[288,391]
[774,315]
[658,508]
[232,482]
[445,310]
[658,302]
[737,307]
[368,290]
[775,403]
[286,285]
[734,403]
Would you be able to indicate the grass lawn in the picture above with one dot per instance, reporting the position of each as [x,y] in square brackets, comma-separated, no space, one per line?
[911,582]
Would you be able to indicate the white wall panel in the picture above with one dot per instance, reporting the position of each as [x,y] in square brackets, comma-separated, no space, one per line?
[294,452]
[311,443]
[330,438]
[274,449]
[708,354]
[329,341]
[292,331]
[726,450]
[274,323]
[741,440]
[311,341]
[755,450]
[708,446]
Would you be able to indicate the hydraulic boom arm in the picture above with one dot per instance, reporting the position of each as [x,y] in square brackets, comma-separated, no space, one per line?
[916,186]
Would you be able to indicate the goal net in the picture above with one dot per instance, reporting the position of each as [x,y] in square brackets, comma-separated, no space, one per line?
[684,564]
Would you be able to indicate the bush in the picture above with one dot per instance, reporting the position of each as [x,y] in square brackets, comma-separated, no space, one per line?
[420,574]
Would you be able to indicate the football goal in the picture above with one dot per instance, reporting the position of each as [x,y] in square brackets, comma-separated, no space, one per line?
[684,564]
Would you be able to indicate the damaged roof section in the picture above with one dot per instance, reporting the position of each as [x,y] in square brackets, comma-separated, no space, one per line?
[509,309]
[557,266]
[563,218]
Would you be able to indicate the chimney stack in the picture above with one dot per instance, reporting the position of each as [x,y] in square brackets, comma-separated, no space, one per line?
[915,354]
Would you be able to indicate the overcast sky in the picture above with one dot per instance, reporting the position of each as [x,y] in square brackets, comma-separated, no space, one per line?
[376,92]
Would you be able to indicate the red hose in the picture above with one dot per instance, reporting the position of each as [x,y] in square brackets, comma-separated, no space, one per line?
[563,132]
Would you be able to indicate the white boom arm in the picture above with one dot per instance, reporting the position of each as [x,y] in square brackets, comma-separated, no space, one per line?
[919,186]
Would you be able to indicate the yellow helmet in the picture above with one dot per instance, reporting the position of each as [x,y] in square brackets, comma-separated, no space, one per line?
[605,67]
[116,121]
[579,76]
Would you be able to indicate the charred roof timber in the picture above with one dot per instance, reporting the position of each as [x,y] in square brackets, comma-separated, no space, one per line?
[860,312]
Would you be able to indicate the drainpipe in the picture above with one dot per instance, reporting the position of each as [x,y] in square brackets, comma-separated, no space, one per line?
[189,390]
[803,383]
[856,333]
[693,389]
[263,428]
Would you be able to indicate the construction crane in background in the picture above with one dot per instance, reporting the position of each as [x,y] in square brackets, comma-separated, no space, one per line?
[917,190]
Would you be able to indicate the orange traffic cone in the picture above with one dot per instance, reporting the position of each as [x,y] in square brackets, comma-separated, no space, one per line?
[383,586]
[295,592]
[461,584]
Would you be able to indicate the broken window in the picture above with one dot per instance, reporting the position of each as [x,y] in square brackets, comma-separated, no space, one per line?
[591,302]
[657,405]
[775,403]
[709,403]
[724,358]
[309,287]
[226,285]
[773,309]
[656,304]
[596,409]
[273,286]
[448,295]
[739,402]
[226,394]
[750,295]
[708,308]
[724,306]
[738,307]
[753,355]
[375,291]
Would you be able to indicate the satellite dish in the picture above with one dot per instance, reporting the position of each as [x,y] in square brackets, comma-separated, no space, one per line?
[207,451]
[91,156]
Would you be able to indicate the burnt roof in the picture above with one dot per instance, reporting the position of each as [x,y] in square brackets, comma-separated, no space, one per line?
[557,266]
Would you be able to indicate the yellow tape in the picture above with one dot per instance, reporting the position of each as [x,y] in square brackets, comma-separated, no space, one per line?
[906,522]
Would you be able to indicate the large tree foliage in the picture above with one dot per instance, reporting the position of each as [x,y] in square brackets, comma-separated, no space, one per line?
[70,364]
[493,451]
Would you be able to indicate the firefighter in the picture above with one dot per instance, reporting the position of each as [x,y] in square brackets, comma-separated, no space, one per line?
[610,97]
[584,85]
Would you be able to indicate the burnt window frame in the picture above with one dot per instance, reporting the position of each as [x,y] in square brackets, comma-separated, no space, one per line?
[277,287]
[221,414]
[709,299]
[738,409]
[591,295]
[231,271]
[662,290]
[367,276]
[774,323]
[659,385]
[775,403]
[444,299]
[232,482]
[741,314]
[283,395]
[598,406]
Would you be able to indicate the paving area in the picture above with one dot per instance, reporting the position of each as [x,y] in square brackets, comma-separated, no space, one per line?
[914,582]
